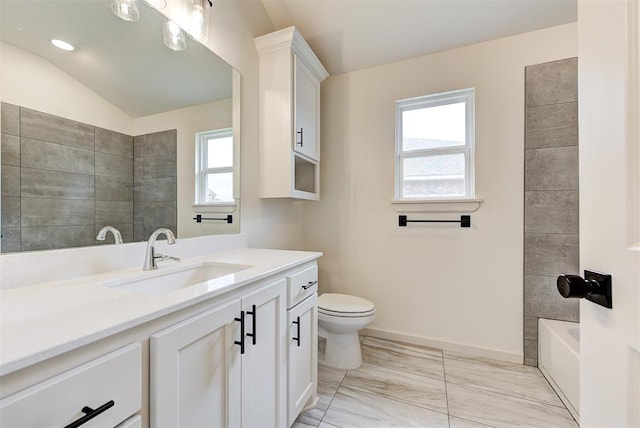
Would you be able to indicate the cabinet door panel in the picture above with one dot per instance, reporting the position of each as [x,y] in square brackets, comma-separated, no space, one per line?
[264,364]
[195,371]
[307,102]
[303,355]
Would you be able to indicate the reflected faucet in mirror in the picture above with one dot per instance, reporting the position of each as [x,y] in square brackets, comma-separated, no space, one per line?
[108,154]
[151,257]
[102,234]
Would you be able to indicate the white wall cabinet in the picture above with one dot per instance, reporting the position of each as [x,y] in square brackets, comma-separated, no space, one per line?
[290,77]
[224,367]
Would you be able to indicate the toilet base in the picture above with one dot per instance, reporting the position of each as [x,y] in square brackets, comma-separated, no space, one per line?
[342,351]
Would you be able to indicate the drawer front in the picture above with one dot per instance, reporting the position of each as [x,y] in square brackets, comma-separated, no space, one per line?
[301,285]
[59,401]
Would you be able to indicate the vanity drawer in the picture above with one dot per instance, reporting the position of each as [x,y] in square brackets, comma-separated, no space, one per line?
[59,401]
[301,285]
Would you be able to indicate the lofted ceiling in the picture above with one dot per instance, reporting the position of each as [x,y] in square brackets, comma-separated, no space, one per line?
[349,35]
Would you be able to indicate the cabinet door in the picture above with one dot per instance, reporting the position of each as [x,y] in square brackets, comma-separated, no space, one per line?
[307,111]
[264,361]
[303,355]
[195,371]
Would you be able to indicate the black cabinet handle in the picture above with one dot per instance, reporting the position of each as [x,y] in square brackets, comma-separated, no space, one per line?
[309,285]
[297,322]
[252,312]
[241,341]
[90,414]
[301,142]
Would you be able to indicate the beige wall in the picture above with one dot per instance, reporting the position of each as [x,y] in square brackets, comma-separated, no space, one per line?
[446,286]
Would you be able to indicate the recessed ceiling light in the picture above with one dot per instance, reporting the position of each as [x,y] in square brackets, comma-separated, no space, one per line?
[61,44]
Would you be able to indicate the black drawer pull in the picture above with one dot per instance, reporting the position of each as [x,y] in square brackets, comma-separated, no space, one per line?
[252,312]
[241,341]
[297,322]
[309,285]
[90,414]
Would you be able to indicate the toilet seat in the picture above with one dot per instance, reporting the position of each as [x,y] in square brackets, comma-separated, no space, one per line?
[344,305]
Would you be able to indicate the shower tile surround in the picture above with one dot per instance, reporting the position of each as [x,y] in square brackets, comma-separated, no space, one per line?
[551,244]
[413,386]
[64,180]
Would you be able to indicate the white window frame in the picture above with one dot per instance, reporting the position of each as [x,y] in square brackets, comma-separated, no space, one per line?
[202,168]
[463,95]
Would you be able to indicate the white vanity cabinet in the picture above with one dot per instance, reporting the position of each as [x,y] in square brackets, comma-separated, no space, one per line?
[100,393]
[302,316]
[224,367]
[290,77]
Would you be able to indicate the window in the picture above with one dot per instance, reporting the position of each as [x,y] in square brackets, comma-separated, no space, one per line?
[214,167]
[434,146]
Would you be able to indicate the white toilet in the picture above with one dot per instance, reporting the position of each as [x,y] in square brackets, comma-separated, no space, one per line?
[340,317]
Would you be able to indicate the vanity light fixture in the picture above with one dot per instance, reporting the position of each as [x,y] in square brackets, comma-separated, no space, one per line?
[198,20]
[174,37]
[156,4]
[61,44]
[127,10]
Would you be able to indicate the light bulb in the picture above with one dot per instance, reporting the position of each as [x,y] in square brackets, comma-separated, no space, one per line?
[174,37]
[127,10]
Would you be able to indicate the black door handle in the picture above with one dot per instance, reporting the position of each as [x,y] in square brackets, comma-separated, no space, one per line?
[301,142]
[297,322]
[241,341]
[595,287]
[252,312]
[90,414]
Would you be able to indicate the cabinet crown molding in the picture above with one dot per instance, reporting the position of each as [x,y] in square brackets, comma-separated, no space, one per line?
[291,39]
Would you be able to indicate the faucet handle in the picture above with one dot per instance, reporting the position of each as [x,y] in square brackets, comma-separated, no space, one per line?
[162,257]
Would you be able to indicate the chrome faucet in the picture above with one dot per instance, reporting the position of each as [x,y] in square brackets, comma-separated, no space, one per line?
[151,256]
[102,234]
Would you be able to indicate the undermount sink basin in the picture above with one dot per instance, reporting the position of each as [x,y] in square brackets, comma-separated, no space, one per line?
[166,280]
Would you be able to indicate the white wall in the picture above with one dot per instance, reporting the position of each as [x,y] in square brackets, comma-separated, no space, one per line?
[440,285]
[30,81]
[609,196]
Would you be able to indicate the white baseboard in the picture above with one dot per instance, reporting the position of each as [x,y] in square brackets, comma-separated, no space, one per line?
[511,357]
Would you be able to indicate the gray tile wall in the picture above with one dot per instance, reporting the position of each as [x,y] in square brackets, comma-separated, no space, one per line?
[155,183]
[551,245]
[63,180]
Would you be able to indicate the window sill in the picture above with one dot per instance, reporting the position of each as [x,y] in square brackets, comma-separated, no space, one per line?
[222,207]
[438,206]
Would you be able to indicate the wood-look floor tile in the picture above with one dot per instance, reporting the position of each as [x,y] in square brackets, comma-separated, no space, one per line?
[406,358]
[500,410]
[355,409]
[331,375]
[530,386]
[405,387]
[463,423]
[450,355]
[326,391]
[305,422]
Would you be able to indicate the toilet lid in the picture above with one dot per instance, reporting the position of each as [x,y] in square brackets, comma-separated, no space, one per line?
[344,303]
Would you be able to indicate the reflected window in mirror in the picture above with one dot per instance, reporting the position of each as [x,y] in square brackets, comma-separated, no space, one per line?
[214,167]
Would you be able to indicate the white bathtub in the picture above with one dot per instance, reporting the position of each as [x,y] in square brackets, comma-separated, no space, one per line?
[559,360]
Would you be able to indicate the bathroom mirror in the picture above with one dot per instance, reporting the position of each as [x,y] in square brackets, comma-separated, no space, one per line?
[105,134]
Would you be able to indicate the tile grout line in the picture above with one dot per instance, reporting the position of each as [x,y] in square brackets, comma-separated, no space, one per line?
[446,392]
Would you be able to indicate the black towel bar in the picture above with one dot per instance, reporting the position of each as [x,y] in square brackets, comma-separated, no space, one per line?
[465,221]
[198,218]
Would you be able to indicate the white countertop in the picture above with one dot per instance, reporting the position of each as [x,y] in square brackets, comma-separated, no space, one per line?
[41,321]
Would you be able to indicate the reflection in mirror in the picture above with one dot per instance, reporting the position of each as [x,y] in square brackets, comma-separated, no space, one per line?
[105,135]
